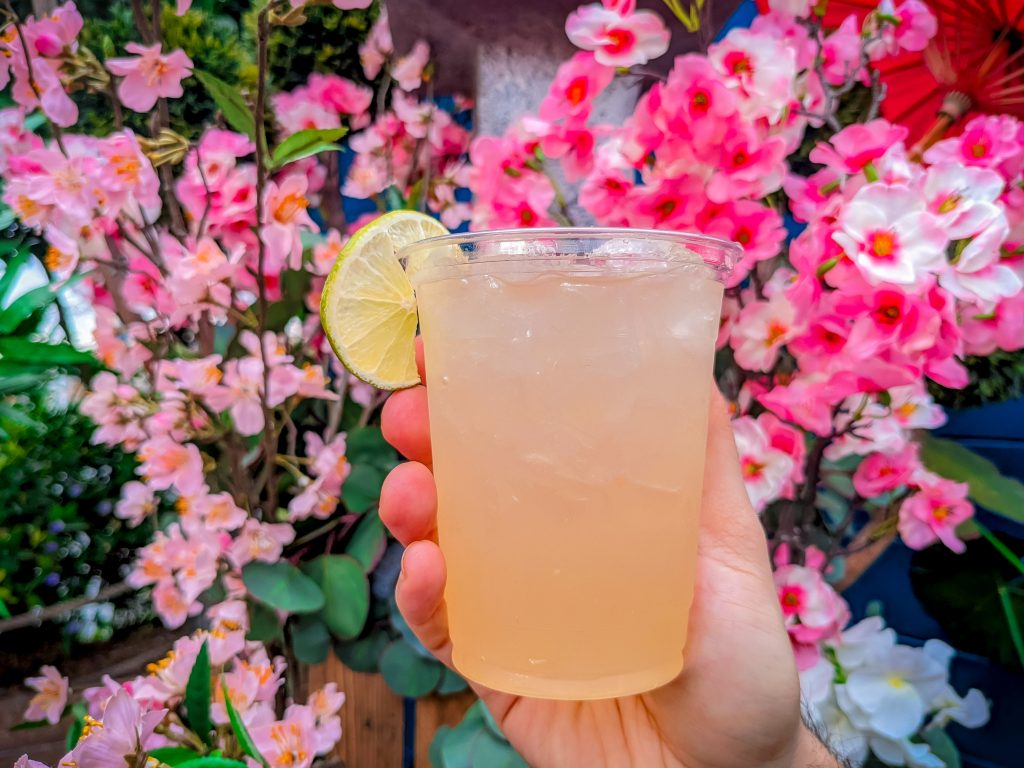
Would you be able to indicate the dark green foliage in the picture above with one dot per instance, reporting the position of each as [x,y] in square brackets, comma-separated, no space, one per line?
[211,41]
[327,42]
[57,493]
[994,378]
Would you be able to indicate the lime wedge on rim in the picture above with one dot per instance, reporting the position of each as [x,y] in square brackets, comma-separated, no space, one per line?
[368,307]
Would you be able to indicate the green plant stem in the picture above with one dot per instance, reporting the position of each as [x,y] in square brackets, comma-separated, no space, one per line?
[1000,547]
[1011,622]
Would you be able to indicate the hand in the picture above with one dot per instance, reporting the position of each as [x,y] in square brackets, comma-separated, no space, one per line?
[737,701]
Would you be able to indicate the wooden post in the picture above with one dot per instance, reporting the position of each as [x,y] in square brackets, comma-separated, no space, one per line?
[373,718]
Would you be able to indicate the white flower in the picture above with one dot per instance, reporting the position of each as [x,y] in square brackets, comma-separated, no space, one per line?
[888,693]
[962,198]
[865,640]
[886,231]
[765,469]
[971,711]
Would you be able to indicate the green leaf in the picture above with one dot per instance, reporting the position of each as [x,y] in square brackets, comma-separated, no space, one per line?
[17,416]
[436,752]
[363,654]
[242,736]
[368,541]
[1011,622]
[78,712]
[282,586]
[198,695]
[212,762]
[30,725]
[451,682]
[988,486]
[15,349]
[361,490]
[7,216]
[366,445]
[310,639]
[494,752]
[263,624]
[230,103]
[306,143]
[346,592]
[11,270]
[19,382]
[22,308]
[407,673]
[942,746]
[173,755]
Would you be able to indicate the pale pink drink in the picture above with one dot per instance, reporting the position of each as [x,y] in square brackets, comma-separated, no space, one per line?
[568,375]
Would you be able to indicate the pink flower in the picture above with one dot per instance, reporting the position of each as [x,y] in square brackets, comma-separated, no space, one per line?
[219,512]
[260,541]
[172,605]
[805,401]
[136,503]
[284,215]
[26,762]
[377,47]
[988,141]
[226,638]
[51,696]
[617,38]
[963,199]
[166,463]
[916,25]
[858,145]
[408,70]
[762,70]
[576,85]
[761,330]
[883,472]
[288,743]
[149,75]
[240,394]
[887,233]
[813,610]
[841,52]
[747,166]
[122,735]
[766,471]
[934,512]
[98,696]
[169,676]
[1000,327]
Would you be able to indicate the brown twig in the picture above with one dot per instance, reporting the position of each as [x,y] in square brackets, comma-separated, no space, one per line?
[269,442]
[35,618]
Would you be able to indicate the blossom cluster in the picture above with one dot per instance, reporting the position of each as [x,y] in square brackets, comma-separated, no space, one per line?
[865,689]
[126,720]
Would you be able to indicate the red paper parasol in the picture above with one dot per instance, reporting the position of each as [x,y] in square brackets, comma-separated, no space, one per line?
[974,64]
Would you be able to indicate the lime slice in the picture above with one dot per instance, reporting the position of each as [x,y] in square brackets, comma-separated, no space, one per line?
[368,307]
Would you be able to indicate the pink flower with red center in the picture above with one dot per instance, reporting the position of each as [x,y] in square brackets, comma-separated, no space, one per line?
[747,165]
[988,141]
[120,737]
[934,512]
[986,329]
[51,696]
[760,332]
[806,401]
[963,199]
[766,470]
[695,101]
[883,472]
[756,227]
[908,27]
[166,463]
[149,75]
[840,52]
[855,147]
[618,38]
[813,611]
[763,71]
[576,85]
[886,231]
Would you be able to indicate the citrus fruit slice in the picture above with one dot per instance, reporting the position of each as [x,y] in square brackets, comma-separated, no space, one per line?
[368,307]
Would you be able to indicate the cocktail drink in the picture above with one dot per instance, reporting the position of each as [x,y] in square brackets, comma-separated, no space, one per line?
[568,375]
